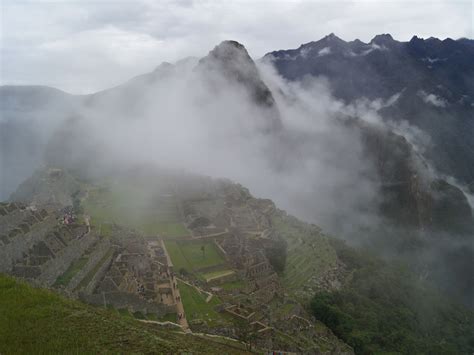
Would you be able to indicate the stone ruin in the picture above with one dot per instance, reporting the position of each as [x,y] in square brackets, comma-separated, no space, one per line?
[137,278]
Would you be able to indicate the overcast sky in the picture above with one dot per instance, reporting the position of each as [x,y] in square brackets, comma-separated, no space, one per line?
[85,46]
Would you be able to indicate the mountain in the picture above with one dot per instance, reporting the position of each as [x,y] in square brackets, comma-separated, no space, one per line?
[230,60]
[248,274]
[121,214]
[28,115]
[430,81]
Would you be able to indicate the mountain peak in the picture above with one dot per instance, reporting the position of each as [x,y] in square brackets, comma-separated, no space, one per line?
[332,38]
[230,61]
[382,39]
[229,49]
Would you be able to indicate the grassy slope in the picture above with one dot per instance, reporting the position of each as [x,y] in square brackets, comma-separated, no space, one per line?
[190,257]
[385,309]
[130,205]
[196,307]
[39,321]
[193,253]
[309,252]
[73,269]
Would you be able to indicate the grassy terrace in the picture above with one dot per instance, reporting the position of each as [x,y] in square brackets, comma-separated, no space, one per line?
[191,257]
[39,321]
[73,269]
[133,206]
[234,285]
[217,274]
[168,229]
[88,278]
[196,307]
[309,252]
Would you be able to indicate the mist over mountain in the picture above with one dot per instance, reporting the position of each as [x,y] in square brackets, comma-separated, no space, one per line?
[373,142]
[428,83]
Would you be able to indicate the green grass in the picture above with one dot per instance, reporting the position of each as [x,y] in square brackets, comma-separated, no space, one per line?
[177,257]
[37,321]
[132,206]
[106,229]
[167,229]
[234,285]
[139,315]
[309,252]
[190,256]
[193,253]
[196,307]
[88,278]
[170,317]
[73,269]
[217,274]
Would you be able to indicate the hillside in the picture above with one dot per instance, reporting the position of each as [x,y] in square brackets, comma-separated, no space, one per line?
[160,246]
[39,321]
[200,253]
[426,82]
[115,206]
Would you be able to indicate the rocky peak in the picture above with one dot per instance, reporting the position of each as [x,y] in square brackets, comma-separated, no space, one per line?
[231,62]
[383,40]
[332,38]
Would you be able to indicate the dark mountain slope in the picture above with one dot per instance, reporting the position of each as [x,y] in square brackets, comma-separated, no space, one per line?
[434,80]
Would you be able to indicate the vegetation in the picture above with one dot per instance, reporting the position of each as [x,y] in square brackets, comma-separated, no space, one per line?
[217,274]
[166,229]
[88,278]
[277,255]
[129,205]
[73,269]
[189,256]
[308,251]
[39,321]
[196,306]
[384,309]
[234,285]
[177,257]
[198,260]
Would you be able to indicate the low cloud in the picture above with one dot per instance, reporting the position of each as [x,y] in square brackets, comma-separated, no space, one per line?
[60,43]
[432,99]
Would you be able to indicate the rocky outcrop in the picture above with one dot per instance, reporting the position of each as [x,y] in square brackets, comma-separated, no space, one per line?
[49,186]
[230,64]
[410,194]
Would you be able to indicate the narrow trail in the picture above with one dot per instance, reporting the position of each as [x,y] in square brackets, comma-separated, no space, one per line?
[175,292]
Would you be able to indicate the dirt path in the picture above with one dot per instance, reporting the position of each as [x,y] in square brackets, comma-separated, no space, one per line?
[179,305]
[175,292]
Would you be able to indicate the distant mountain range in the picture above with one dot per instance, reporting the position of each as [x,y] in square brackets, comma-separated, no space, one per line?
[430,83]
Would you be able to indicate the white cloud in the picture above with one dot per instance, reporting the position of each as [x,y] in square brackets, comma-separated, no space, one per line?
[432,99]
[59,42]
[324,51]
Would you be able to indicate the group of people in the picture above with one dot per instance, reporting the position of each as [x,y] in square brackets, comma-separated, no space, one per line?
[181,316]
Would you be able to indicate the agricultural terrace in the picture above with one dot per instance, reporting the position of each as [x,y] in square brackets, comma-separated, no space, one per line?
[151,212]
[196,306]
[193,256]
[308,253]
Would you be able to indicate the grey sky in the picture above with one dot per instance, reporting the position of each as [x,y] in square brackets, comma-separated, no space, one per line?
[85,46]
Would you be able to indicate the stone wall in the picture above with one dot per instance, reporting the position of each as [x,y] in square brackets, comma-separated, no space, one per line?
[132,302]
[57,266]
[22,243]
[99,275]
[99,252]
[223,279]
